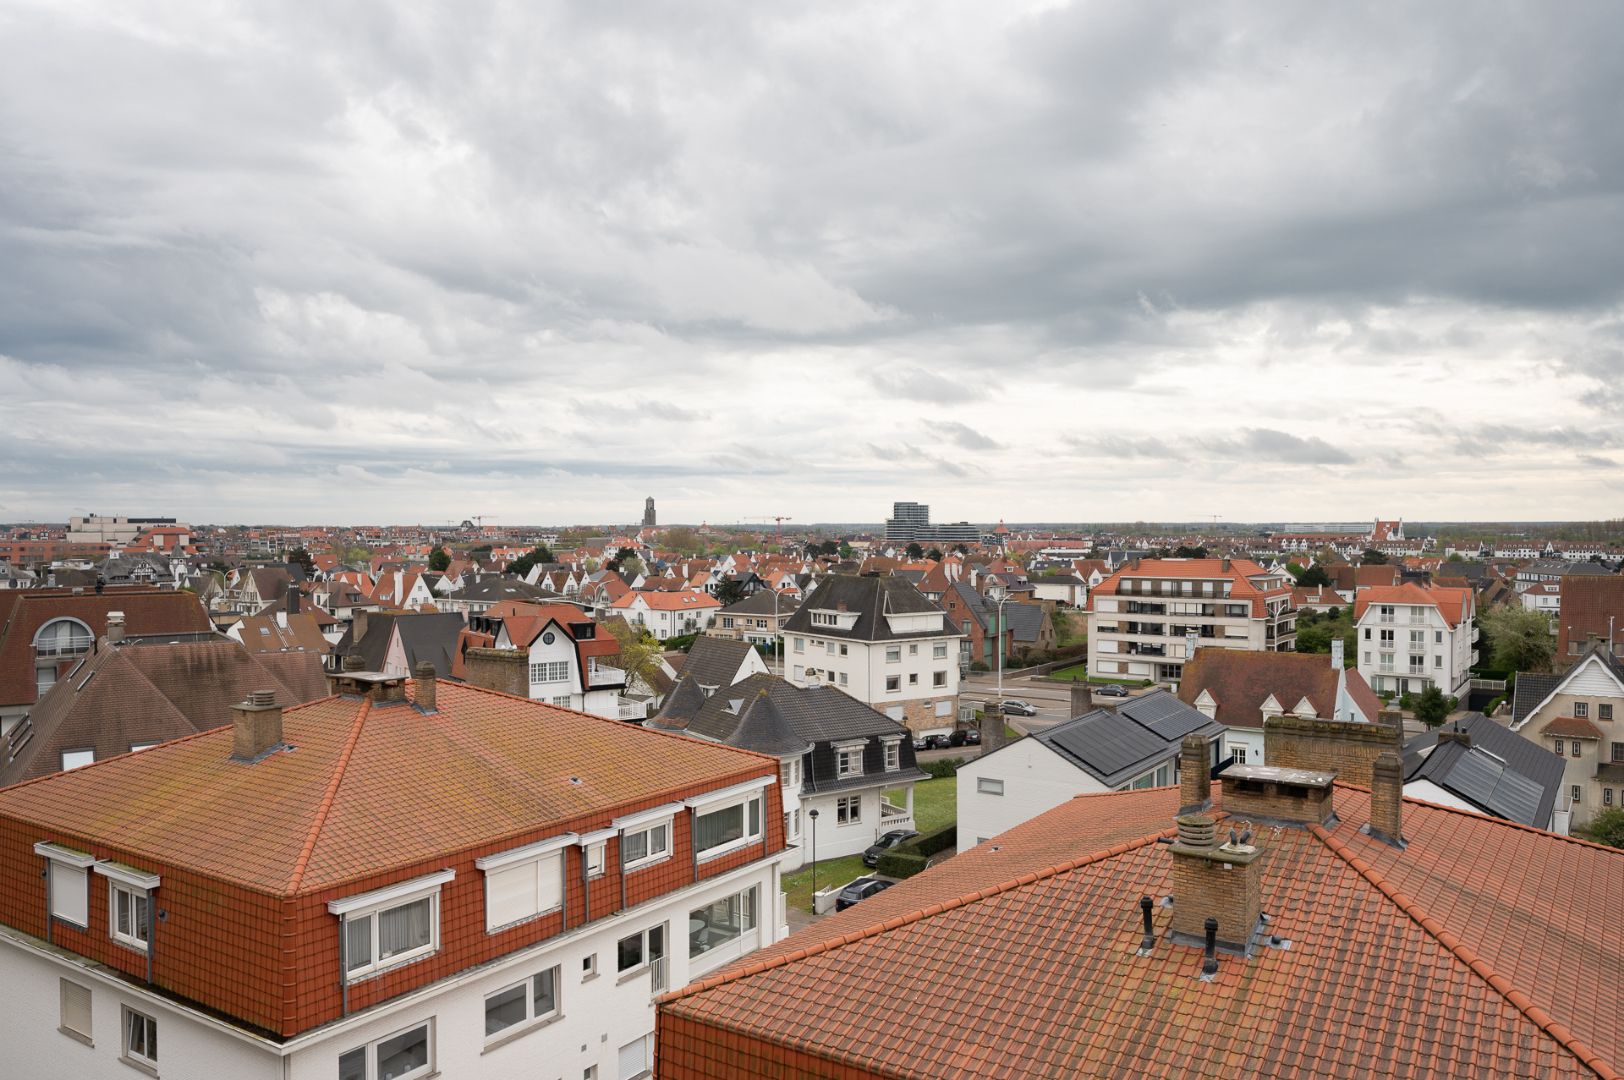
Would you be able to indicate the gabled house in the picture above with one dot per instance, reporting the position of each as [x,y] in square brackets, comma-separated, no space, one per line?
[667,614]
[567,658]
[1411,636]
[836,756]
[758,618]
[1579,716]
[1475,764]
[396,643]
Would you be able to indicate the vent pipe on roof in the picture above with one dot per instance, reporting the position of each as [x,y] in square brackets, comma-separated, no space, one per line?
[1209,964]
[1146,944]
[256,726]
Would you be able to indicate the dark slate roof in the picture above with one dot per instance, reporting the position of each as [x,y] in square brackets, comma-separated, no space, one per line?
[769,715]
[715,661]
[431,637]
[1499,772]
[760,602]
[498,587]
[872,598]
[1025,620]
[1117,746]
[1531,690]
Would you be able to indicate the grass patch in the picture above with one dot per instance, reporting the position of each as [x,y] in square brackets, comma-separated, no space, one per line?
[1079,673]
[936,803]
[831,872]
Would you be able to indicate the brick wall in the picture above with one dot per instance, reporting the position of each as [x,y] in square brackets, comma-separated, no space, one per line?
[507,670]
[921,715]
[1347,749]
[1212,885]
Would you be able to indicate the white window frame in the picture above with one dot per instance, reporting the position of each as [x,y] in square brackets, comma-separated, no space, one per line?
[137,885]
[893,754]
[988,785]
[644,957]
[371,905]
[532,1018]
[550,671]
[371,1051]
[939,650]
[851,816]
[893,684]
[740,795]
[145,1058]
[595,852]
[893,654]
[849,758]
[647,823]
[77,753]
[545,860]
[68,876]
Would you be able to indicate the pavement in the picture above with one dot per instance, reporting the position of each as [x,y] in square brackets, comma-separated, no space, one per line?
[1053,700]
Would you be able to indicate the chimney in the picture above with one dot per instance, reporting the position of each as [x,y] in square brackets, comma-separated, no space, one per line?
[1082,698]
[1213,881]
[1278,795]
[992,730]
[423,687]
[115,627]
[1337,654]
[256,726]
[1387,801]
[1224,564]
[294,597]
[1195,776]
[353,661]
[505,670]
[358,625]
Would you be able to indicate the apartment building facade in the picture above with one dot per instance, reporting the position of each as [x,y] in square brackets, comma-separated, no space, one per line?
[882,641]
[394,882]
[1148,618]
[1413,636]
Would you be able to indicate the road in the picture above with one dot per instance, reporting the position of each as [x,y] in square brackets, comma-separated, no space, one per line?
[1053,700]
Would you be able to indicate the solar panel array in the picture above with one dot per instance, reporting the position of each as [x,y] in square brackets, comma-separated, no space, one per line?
[1484,779]
[1166,715]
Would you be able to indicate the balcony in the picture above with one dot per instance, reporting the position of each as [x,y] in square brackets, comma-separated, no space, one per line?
[1137,607]
[1137,649]
[893,816]
[604,675]
[632,710]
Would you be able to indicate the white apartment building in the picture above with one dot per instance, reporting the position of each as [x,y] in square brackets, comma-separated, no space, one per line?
[668,614]
[1140,618]
[1412,637]
[882,641]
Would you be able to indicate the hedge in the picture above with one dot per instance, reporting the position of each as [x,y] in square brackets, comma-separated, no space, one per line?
[909,858]
[944,768]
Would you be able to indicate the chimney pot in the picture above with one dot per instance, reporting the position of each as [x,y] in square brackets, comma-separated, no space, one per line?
[256,726]
[1387,800]
[354,662]
[115,627]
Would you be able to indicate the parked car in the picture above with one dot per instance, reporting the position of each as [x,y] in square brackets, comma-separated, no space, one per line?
[921,742]
[938,742]
[871,857]
[972,737]
[1110,690]
[861,889]
[1017,707]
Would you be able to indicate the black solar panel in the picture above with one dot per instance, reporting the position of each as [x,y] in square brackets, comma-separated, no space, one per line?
[1166,715]
[1485,780]
[1107,743]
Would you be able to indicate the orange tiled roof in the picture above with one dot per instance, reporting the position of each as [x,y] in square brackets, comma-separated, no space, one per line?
[485,766]
[1453,604]
[685,600]
[1238,574]
[1473,951]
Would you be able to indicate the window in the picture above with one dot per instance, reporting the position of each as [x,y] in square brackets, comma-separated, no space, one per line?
[893,755]
[728,827]
[800,672]
[131,922]
[400,1056]
[1604,711]
[830,648]
[893,654]
[913,649]
[640,948]
[939,651]
[823,618]
[842,678]
[1607,796]
[849,761]
[1581,710]
[789,774]
[63,637]
[589,966]
[391,926]
[68,880]
[893,683]
[727,622]
[938,678]
[1618,751]
[1575,792]
[913,678]
[523,883]
[73,759]
[1437,661]
[986,785]
[843,649]
[1239,754]
[637,1058]
[800,645]
[645,845]
[137,747]
[75,1010]
[534,999]
[723,922]
[849,810]
[1438,637]
[1559,745]
[550,671]
[594,859]
[1578,750]
[140,1038]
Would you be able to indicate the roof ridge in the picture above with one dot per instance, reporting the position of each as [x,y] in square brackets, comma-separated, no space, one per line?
[1466,955]
[918,914]
[1493,820]
[325,807]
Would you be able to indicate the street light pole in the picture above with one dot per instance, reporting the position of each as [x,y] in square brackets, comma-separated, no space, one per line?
[1000,647]
[813,815]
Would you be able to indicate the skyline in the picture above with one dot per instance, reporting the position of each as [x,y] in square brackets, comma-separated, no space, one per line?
[1115,262]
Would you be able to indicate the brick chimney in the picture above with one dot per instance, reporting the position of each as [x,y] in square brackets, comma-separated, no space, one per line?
[992,730]
[1387,801]
[115,627]
[256,726]
[507,670]
[424,692]
[1195,775]
[1278,795]
[358,625]
[1213,880]
[1082,698]
[353,661]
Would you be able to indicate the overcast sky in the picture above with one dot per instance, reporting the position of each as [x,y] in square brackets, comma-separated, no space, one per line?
[1026,261]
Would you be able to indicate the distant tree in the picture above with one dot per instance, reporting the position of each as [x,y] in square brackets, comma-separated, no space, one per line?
[639,652]
[439,559]
[1372,557]
[1432,706]
[730,592]
[1312,577]
[1295,569]
[1185,551]
[302,557]
[915,551]
[960,549]
[1455,556]
[683,540]
[619,557]
[829,547]
[844,551]
[934,553]
[1607,827]
[526,562]
[1519,639]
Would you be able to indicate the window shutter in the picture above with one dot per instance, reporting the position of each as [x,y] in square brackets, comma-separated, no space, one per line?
[510,895]
[70,894]
[76,1007]
[550,885]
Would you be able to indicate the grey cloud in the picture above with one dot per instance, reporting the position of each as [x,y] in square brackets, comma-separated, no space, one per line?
[1266,444]
[913,384]
[968,437]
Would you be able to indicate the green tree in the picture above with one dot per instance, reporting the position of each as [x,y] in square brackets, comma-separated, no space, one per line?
[960,549]
[639,652]
[844,551]
[1607,827]
[1295,569]
[934,553]
[1185,551]
[439,559]
[683,541]
[1432,706]
[1519,639]
[1372,557]
[524,563]
[1312,577]
[302,557]
[619,557]
[730,592]
[915,551]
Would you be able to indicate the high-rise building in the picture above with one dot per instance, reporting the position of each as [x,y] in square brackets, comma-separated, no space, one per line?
[648,513]
[906,521]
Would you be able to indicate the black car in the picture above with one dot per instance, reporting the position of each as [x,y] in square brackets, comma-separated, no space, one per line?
[938,742]
[885,843]
[1110,690]
[972,737]
[1017,707]
[861,889]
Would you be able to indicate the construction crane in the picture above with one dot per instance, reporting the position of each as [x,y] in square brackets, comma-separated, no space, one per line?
[779,519]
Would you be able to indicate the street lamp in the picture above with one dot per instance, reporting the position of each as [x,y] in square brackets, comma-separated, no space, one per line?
[1002,601]
[813,815]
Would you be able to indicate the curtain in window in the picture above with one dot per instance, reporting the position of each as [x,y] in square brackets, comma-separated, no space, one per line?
[404,928]
[720,827]
[358,942]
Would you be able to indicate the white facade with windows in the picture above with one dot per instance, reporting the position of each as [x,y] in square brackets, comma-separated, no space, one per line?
[916,681]
[580,1001]
[1404,648]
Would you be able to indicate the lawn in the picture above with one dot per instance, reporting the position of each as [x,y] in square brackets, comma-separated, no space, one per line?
[935,805]
[1079,673]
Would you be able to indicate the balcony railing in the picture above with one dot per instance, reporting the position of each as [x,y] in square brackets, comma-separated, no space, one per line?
[893,816]
[604,675]
[633,710]
[657,974]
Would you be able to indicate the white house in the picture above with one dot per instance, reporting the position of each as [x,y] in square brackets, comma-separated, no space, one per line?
[668,614]
[568,658]
[1412,636]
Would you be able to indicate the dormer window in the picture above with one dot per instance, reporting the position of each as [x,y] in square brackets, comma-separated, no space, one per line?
[390,926]
[130,902]
[849,759]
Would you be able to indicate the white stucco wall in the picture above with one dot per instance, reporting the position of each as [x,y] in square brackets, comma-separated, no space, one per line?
[1035,779]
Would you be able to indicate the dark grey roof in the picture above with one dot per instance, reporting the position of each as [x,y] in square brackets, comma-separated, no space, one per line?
[431,637]
[1025,620]
[769,715]
[716,661]
[1117,746]
[498,587]
[761,602]
[871,598]
[1531,690]
[1500,772]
